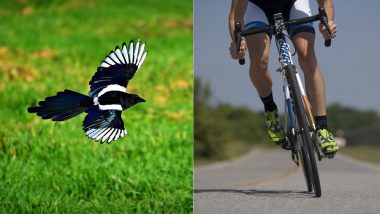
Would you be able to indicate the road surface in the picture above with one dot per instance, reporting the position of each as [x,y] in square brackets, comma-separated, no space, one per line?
[268,181]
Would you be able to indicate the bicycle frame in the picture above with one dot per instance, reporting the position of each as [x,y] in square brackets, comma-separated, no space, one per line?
[285,59]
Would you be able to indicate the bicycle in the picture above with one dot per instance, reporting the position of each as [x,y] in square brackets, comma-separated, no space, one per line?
[299,123]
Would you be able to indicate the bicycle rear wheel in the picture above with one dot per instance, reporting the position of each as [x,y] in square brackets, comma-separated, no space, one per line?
[308,153]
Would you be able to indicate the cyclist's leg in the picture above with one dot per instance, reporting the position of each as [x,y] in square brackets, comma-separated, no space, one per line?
[258,49]
[315,88]
[303,38]
[314,81]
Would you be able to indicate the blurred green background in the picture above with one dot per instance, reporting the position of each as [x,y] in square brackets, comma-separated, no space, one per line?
[225,131]
[46,167]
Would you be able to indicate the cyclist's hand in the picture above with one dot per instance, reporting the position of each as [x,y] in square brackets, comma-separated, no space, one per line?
[243,48]
[324,32]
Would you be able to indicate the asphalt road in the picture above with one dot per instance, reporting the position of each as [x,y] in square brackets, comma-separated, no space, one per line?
[268,181]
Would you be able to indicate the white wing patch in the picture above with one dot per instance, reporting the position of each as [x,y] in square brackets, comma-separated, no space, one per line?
[116,107]
[109,61]
[101,134]
[125,53]
[141,61]
[136,52]
[106,134]
[114,58]
[113,87]
[133,54]
[140,53]
[104,65]
[119,55]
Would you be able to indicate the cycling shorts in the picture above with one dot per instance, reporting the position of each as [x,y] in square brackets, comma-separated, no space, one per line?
[259,13]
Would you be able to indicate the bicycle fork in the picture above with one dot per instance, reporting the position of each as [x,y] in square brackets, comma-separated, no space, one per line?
[290,137]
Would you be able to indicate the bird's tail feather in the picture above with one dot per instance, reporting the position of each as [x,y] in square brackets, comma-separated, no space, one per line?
[63,106]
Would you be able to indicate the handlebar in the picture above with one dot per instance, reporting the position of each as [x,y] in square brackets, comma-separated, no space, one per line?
[325,22]
[238,40]
[322,16]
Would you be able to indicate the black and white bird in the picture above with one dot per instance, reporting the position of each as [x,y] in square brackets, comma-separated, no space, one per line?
[107,97]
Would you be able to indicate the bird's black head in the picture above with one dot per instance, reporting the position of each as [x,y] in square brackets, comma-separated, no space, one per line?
[134,99]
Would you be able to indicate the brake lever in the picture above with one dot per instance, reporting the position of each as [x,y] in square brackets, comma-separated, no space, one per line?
[238,40]
[325,22]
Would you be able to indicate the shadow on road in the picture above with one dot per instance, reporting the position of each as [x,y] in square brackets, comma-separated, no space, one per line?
[263,193]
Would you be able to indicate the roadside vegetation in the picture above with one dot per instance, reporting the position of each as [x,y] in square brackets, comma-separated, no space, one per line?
[224,131]
[364,152]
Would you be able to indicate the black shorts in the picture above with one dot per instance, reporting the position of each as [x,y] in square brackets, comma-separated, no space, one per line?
[260,13]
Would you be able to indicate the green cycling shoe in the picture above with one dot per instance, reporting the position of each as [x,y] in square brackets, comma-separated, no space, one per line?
[275,131]
[327,142]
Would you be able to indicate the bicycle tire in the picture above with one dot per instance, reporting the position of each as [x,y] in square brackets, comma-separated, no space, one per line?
[301,150]
[303,124]
[303,157]
[306,168]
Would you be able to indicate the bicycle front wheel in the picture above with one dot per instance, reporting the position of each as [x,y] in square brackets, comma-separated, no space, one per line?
[304,127]
[306,166]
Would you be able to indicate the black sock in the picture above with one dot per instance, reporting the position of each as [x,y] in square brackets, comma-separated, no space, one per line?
[268,102]
[321,122]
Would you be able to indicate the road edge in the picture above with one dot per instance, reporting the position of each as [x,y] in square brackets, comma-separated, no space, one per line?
[224,163]
[358,162]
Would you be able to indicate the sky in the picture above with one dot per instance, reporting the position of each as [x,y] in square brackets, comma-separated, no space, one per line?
[350,66]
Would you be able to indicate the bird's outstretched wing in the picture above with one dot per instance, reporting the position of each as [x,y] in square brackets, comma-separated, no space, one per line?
[103,125]
[118,67]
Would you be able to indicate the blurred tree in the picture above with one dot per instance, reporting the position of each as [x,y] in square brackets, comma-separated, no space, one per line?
[218,128]
[348,118]
[210,135]
[358,126]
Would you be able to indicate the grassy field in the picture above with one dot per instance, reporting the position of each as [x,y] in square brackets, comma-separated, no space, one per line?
[48,167]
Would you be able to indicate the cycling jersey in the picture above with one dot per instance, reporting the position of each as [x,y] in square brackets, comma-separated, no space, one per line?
[260,13]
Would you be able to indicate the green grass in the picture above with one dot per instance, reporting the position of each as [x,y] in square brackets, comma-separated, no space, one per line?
[364,152]
[48,167]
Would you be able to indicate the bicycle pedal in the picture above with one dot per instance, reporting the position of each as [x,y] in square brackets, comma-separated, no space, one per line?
[295,158]
[286,146]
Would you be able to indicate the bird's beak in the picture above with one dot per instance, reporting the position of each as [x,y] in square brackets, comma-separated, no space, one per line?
[141,100]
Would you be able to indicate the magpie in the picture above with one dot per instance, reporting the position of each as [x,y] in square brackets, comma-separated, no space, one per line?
[106,99]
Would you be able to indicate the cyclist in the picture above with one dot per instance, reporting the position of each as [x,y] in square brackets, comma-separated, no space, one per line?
[258,13]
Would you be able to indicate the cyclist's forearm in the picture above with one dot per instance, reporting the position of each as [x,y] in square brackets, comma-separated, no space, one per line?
[329,6]
[237,11]
[231,24]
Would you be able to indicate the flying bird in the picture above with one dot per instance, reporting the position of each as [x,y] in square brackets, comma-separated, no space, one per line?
[106,99]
